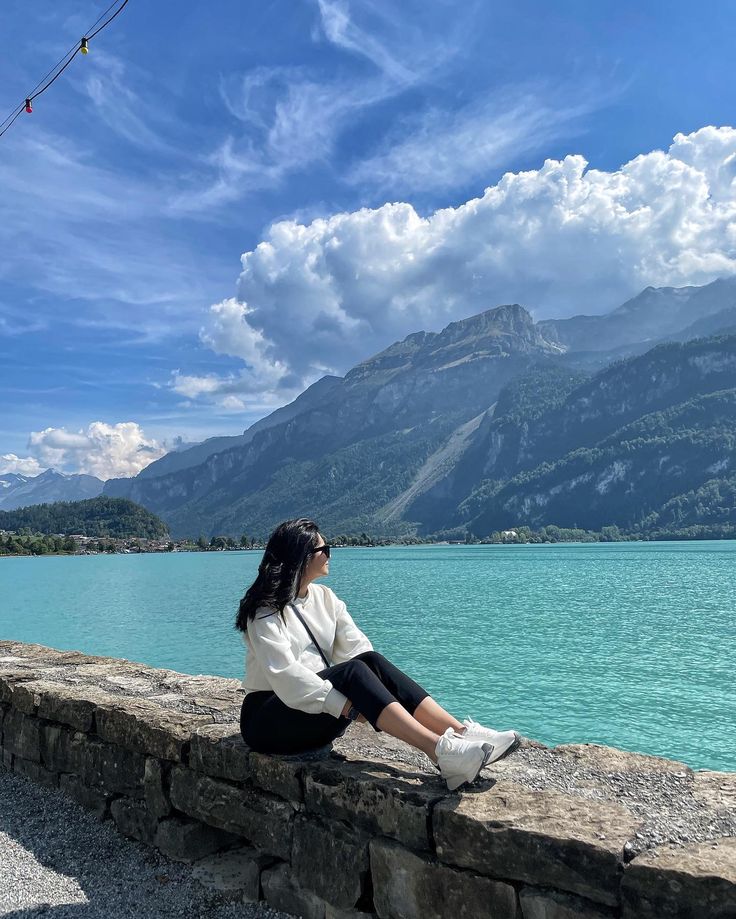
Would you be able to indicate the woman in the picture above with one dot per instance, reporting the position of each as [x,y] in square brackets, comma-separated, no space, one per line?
[310,671]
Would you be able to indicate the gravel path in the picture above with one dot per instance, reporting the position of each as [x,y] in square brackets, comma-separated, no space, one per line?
[59,861]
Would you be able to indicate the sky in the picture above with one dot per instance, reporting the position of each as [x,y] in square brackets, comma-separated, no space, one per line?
[223,202]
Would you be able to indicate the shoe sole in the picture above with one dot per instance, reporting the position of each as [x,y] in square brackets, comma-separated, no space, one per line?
[489,758]
[487,753]
[504,751]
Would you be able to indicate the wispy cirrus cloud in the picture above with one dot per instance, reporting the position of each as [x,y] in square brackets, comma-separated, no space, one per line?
[441,149]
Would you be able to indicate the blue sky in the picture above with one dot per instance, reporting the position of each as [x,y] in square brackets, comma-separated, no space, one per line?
[222,202]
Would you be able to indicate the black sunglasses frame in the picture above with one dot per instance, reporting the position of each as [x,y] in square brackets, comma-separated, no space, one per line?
[325,549]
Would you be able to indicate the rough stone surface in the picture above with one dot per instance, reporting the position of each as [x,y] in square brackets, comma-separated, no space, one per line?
[95,762]
[155,782]
[381,798]
[407,886]
[281,890]
[262,819]
[145,727]
[93,799]
[235,873]
[283,777]
[334,912]
[538,903]
[220,751]
[187,840]
[22,735]
[689,882]
[132,819]
[35,772]
[330,860]
[542,838]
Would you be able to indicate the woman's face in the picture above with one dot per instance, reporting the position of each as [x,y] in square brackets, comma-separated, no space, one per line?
[318,565]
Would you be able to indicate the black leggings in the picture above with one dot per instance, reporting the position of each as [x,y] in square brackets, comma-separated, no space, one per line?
[370,682]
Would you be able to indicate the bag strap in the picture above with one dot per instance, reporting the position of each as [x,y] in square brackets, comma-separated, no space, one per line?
[316,644]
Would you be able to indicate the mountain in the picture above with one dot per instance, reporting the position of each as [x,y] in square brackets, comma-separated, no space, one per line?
[198,453]
[101,516]
[493,422]
[22,490]
[625,447]
[362,443]
[652,316]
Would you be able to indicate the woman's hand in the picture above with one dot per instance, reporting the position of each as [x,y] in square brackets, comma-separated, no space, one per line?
[346,708]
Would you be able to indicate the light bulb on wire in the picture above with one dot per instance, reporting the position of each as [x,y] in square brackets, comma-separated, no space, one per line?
[29,107]
[83,46]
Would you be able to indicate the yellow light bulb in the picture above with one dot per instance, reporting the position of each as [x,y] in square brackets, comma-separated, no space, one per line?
[83,47]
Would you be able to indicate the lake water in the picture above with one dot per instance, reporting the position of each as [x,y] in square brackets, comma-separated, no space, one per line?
[627,644]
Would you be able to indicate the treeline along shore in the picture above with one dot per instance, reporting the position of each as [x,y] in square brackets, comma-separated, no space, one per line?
[117,525]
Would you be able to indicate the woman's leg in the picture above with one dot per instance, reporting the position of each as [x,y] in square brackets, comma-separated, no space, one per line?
[385,696]
[415,700]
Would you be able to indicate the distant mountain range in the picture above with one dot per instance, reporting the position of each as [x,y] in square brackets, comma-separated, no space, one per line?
[23,490]
[494,421]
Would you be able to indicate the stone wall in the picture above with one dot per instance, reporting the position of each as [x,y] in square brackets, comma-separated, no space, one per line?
[368,828]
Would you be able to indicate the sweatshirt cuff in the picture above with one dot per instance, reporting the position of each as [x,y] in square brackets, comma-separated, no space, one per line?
[334,702]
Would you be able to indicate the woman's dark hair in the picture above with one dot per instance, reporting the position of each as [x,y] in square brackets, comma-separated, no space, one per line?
[282,567]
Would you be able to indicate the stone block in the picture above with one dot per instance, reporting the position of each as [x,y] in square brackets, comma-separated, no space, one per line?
[154,788]
[331,860]
[263,819]
[409,886]
[544,838]
[187,840]
[10,677]
[541,903]
[696,881]
[280,776]
[142,726]
[7,760]
[93,799]
[132,818]
[95,762]
[334,912]
[382,799]
[220,751]
[282,891]
[22,735]
[72,705]
[35,772]
[598,757]
[234,874]
[716,791]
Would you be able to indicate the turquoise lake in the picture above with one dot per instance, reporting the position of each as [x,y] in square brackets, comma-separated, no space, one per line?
[627,644]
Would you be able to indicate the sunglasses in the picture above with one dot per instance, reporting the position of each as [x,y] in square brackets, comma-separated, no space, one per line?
[325,549]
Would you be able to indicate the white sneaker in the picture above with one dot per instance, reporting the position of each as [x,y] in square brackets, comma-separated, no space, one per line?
[503,742]
[460,760]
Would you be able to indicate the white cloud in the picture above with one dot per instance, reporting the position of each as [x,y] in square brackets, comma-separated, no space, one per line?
[561,239]
[104,450]
[28,465]
[441,150]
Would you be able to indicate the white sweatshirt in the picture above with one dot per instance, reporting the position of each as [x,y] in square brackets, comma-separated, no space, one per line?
[280,655]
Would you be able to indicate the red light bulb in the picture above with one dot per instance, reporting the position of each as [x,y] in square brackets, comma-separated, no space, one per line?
[29,107]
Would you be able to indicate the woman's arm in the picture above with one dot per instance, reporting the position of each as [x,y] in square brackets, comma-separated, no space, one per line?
[349,640]
[296,685]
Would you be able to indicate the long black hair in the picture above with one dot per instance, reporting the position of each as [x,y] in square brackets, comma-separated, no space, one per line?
[280,573]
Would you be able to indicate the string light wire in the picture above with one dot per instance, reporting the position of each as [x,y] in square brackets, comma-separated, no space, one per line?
[63,63]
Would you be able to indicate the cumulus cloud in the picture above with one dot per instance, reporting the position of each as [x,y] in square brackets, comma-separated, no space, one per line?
[104,450]
[20,465]
[563,239]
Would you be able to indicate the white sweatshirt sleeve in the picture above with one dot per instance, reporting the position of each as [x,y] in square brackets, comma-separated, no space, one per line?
[296,685]
[349,640]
